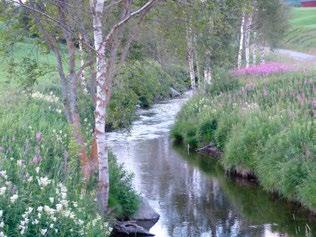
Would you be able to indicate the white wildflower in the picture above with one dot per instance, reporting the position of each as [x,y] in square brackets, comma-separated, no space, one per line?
[35,222]
[59,207]
[1,224]
[51,199]
[40,209]
[43,231]
[2,234]
[30,209]
[37,169]
[2,190]
[1,213]
[43,181]
[48,210]
[19,162]
[3,174]
[14,198]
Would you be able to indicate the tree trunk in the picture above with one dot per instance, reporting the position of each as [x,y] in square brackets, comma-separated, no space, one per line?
[207,75]
[262,54]
[100,107]
[247,40]
[190,57]
[254,49]
[197,65]
[82,73]
[241,41]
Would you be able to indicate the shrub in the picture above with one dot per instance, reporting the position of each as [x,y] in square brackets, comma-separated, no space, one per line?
[222,82]
[123,197]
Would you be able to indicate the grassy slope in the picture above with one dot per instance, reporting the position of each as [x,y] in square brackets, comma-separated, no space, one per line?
[302,33]
[265,127]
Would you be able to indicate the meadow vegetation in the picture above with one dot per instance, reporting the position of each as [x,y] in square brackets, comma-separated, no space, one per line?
[265,125]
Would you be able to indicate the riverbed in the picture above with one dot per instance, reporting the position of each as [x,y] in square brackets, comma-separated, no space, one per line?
[191,192]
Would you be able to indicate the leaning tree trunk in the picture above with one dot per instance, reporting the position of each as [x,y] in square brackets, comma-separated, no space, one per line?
[241,41]
[100,105]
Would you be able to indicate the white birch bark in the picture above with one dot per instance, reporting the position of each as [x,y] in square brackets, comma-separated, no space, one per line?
[97,7]
[262,54]
[190,56]
[241,41]
[254,49]
[247,39]
[207,75]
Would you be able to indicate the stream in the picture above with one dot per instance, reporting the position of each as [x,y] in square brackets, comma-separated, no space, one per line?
[191,193]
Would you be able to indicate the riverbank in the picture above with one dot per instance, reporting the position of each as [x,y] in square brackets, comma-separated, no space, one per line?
[265,125]
[36,143]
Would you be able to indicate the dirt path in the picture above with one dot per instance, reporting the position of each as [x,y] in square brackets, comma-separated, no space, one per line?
[303,57]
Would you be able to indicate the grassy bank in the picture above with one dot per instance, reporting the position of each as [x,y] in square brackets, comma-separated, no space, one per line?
[40,176]
[265,124]
[302,32]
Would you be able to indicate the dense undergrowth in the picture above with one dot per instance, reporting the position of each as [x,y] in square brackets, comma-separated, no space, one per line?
[264,124]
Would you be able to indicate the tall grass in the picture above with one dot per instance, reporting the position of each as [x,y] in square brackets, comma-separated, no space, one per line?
[265,127]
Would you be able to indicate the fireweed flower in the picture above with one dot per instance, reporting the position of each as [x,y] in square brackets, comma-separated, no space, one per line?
[263,69]
[38,137]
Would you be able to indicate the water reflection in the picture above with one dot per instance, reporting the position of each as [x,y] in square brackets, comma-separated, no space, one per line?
[191,193]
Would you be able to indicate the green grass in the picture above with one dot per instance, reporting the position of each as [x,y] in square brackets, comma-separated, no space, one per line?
[264,125]
[302,32]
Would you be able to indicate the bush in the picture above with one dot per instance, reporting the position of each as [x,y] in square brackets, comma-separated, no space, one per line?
[123,197]
[222,82]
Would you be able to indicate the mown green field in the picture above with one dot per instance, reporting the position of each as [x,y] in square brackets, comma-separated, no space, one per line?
[302,32]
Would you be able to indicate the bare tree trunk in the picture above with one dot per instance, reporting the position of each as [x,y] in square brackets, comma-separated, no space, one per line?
[207,75]
[241,41]
[254,49]
[262,54]
[97,8]
[73,93]
[190,56]
[247,40]
[197,64]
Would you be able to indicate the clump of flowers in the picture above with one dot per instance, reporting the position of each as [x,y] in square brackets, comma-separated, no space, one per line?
[264,69]
[32,203]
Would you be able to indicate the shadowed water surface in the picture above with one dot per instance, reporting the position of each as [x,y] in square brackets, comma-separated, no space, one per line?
[191,193]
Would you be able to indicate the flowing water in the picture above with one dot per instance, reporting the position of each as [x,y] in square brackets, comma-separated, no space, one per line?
[191,193]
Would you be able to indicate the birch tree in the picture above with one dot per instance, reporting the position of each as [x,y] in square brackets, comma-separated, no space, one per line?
[67,17]
[241,41]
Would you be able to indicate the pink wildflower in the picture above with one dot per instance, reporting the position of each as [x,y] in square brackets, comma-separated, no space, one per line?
[263,69]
